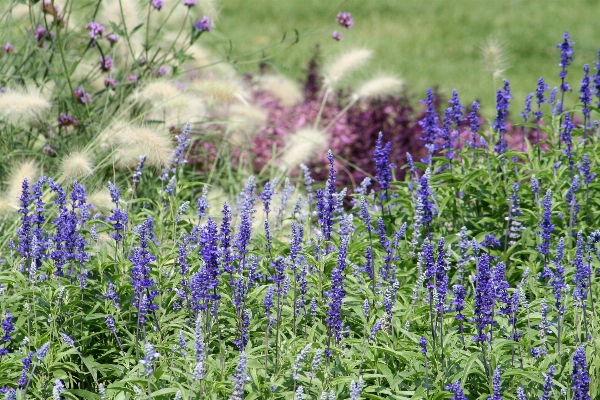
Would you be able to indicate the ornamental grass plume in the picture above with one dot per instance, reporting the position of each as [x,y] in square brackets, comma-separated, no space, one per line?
[19,106]
[494,57]
[219,91]
[25,169]
[379,87]
[344,64]
[172,104]
[101,201]
[302,146]
[285,90]
[130,141]
[76,166]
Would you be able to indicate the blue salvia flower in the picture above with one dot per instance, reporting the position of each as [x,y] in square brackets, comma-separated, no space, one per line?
[385,270]
[115,195]
[503,97]
[202,204]
[244,229]
[140,272]
[458,303]
[580,377]
[428,257]
[423,345]
[299,395]
[8,327]
[226,258]
[199,369]
[337,293]
[68,340]
[441,278]
[548,384]
[376,328]
[26,364]
[496,388]
[118,220]
[457,390]
[411,163]
[527,109]
[182,344]
[170,188]
[425,196]
[582,273]
[316,361]
[586,93]
[585,170]
[149,356]
[383,165]
[24,232]
[474,125]
[11,394]
[557,279]
[239,378]
[329,200]
[446,136]
[299,360]
[566,56]
[204,282]
[565,137]
[266,196]
[484,298]
[541,89]
[296,242]
[430,123]
[535,187]
[242,342]
[178,155]
[501,288]
[308,181]
[571,200]
[546,225]
[137,175]
[58,388]
[596,79]
[356,388]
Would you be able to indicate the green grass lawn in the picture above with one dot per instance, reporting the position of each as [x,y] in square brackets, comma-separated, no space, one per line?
[436,42]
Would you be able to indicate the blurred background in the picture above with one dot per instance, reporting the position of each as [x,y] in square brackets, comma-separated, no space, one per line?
[468,45]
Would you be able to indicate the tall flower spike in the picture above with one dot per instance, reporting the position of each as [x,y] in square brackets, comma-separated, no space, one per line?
[546,225]
[503,97]
[566,56]
[383,165]
[580,377]
[430,123]
[457,390]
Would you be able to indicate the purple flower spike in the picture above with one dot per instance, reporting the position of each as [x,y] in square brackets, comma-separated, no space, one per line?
[566,56]
[580,377]
[423,345]
[503,97]
[430,123]
[383,165]
[458,392]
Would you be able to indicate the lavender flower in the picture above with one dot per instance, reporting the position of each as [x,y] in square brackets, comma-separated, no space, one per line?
[68,340]
[586,93]
[95,29]
[337,36]
[26,364]
[582,273]
[565,137]
[376,328]
[585,170]
[177,157]
[424,194]
[8,327]
[356,388]
[527,109]
[580,377]
[140,272]
[158,4]
[58,388]
[299,359]
[42,351]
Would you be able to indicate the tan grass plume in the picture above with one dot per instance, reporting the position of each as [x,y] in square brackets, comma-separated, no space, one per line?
[20,106]
[25,169]
[494,57]
[282,88]
[302,146]
[379,86]
[344,64]
[76,166]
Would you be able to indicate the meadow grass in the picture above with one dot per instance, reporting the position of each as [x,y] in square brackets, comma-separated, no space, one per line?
[425,43]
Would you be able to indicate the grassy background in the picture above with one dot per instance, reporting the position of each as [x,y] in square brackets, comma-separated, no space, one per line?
[436,42]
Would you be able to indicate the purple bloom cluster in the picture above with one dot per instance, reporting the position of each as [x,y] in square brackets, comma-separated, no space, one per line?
[345,20]
[484,298]
[203,24]
[566,56]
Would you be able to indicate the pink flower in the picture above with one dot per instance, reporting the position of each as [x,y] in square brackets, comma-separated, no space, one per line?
[337,36]
[190,3]
[95,29]
[8,48]
[158,4]
[345,20]
[106,63]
